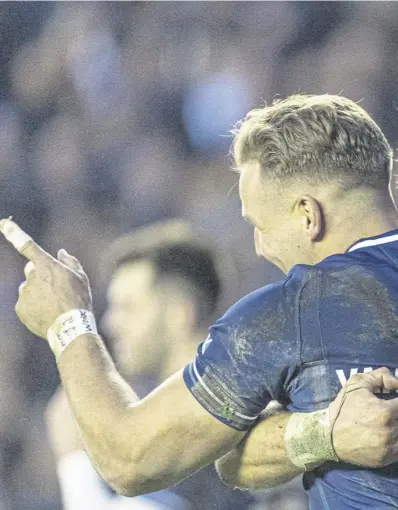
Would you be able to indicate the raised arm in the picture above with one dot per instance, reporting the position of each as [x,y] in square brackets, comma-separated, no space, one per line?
[137,446]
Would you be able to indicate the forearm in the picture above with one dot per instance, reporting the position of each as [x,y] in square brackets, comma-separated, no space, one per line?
[260,460]
[99,399]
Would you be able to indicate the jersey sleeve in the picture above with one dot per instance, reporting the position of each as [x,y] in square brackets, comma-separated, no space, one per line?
[248,359]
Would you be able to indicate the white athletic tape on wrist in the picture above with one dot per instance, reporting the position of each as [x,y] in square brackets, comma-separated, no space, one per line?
[308,439]
[15,235]
[68,326]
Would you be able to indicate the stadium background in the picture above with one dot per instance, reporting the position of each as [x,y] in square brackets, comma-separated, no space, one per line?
[113,115]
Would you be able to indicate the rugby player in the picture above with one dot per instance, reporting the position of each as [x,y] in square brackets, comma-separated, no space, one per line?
[314,182]
[163,292]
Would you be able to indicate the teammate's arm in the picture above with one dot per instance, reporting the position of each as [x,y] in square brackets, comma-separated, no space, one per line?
[260,460]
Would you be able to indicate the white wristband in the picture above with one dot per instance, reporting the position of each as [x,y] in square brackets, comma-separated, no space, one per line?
[67,327]
[308,439]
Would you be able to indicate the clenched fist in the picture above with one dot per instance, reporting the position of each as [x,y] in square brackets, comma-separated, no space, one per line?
[365,427]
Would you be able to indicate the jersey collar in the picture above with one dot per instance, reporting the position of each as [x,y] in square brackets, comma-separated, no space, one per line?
[387,237]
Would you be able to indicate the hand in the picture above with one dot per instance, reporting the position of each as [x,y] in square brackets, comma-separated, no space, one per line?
[365,428]
[62,430]
[52,286]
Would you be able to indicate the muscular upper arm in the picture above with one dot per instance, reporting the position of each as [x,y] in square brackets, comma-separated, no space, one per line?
[171,436]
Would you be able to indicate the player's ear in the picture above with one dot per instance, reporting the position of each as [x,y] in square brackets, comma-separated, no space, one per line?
[312,218]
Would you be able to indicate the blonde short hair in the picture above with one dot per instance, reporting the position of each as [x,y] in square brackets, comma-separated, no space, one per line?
[322,138]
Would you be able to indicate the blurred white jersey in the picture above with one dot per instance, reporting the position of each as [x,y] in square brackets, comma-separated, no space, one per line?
[82,488]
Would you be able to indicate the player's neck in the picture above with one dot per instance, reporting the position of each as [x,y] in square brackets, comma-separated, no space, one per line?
[376,228]
[364,227]
[360,216]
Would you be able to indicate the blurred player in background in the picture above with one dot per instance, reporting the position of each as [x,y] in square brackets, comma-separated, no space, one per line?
[163,293]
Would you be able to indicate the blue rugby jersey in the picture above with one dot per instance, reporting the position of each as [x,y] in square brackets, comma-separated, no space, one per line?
[296,342]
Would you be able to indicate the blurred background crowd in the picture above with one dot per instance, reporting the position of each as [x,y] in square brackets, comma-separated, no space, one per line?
[114,115]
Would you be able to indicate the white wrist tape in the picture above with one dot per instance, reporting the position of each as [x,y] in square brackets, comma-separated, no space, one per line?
[308,439]
[67,327]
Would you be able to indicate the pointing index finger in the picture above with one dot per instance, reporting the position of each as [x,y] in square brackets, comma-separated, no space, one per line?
[21,240]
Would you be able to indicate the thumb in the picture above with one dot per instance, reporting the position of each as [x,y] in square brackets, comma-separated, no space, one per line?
[69,261]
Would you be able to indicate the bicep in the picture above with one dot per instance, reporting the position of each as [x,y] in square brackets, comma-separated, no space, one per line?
[176,435]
